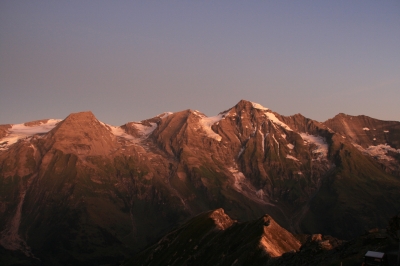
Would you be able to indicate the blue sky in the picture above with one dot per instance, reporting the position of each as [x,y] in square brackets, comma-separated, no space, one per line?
[131,60]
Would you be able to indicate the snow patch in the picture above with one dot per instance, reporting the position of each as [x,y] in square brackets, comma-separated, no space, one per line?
[291,157]
[275,120]
[144,131]
[379,151]
[259,106]
[290,146]
[207,122]
[119,132]
[262,140]
[239,178]
[241,151]
[277,143]
[260,193]
[386,131]
[275,139]
[164,115]
[366,129]
[330,130]
[322,146]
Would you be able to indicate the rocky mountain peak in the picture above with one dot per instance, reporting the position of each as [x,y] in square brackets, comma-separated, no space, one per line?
[244,104]
[85,116]
[222,220]
[82,134]
[275,239]
[247,106]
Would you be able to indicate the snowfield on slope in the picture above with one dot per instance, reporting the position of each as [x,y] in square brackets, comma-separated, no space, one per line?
[22,131]
[239,178]
[291,157]
[207,122]
[144,131]
[322,146]
[379,151]
[275,120]
[259,106]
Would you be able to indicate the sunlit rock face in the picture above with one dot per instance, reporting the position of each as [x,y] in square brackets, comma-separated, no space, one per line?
[214,238]
[202,241]
[276,240]
[81,189]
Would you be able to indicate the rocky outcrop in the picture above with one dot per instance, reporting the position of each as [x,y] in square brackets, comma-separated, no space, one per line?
[214,238]
[4,130]
[275,240]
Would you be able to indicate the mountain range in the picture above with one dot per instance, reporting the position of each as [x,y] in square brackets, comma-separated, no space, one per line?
[80,192]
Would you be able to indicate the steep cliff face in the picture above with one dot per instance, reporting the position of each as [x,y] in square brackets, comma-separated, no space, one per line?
[84,191]
[248,144]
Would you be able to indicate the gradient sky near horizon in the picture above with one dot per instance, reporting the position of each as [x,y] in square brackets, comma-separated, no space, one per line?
[132,60]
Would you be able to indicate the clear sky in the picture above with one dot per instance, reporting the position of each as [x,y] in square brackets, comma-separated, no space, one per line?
[132,60]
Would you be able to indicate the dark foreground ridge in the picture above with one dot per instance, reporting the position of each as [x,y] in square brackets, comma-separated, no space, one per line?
[202,241]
